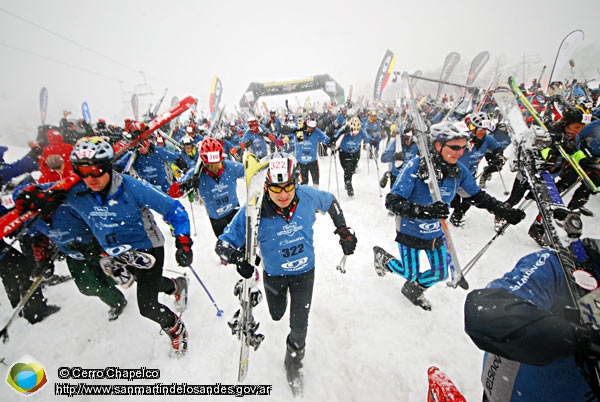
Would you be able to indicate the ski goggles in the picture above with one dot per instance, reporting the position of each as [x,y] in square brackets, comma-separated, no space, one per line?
[85,171]
[457,147]
[278,189]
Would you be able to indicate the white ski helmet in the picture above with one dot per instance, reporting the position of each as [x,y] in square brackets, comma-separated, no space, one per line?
[444,132]
[481,120]
[283,168]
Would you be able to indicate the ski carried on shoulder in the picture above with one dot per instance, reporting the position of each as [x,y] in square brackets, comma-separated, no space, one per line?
[562,226]
[423,145]
[14,219]
[243,324]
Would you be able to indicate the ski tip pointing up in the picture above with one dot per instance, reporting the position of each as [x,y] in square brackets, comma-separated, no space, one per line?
[441,387]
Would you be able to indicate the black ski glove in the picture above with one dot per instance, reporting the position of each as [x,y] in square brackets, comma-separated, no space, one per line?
[347,239]
[437,210]
[35,152]
[33,198]
[243,267]
[510,215]
[399,156]
[373,142]
[184,254]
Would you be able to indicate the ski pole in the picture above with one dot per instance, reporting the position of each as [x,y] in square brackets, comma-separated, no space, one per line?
[342,265]
[36,283]
[337,180]
[193,217]
[331,161]
[522,206]
[506,192]
[377,168]
[219,311]
[32,288]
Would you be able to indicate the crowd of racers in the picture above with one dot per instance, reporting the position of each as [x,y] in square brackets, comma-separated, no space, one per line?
[347,132]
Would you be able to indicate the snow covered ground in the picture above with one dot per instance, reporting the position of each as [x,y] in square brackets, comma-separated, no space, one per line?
[366,342]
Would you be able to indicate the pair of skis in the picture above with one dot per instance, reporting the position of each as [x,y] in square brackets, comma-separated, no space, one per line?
[243,324]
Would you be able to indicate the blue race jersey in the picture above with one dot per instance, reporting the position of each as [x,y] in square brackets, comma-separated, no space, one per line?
[220,197]
[122,220]
[286,247]
[410,187]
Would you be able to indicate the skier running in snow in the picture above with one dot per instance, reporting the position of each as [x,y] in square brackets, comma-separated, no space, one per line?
[285,236]
[533,351]
[307,145]
[418,225]
[374,128]
[216,184]
[257,140]
[479,143]
[350,137]
[117,209]
[409,151]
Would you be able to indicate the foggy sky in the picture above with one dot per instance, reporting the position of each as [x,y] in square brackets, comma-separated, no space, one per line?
[182,44]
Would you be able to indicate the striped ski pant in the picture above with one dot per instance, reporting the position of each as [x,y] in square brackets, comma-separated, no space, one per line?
[409,266]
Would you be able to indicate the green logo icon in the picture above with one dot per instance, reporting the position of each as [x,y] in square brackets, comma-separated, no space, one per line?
[26,376]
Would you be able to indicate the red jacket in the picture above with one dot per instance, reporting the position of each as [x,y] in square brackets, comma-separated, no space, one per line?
[56,146]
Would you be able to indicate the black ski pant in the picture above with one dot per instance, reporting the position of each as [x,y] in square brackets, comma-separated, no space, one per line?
[300,288]
[15,272]
[149,283]
[349,163]
[311,168]
[219,225]
[568,176]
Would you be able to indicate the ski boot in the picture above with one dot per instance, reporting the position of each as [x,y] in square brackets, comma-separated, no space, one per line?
[116,310]
[585,211]
[457,218]
[414,292]
[293,368]
[577,205]
[536,232]
[39,316]
[349,188]
[180,293]
[381,259]
[179,339]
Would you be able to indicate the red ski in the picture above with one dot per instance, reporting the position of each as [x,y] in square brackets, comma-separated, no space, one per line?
[14,219]
[441,387]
